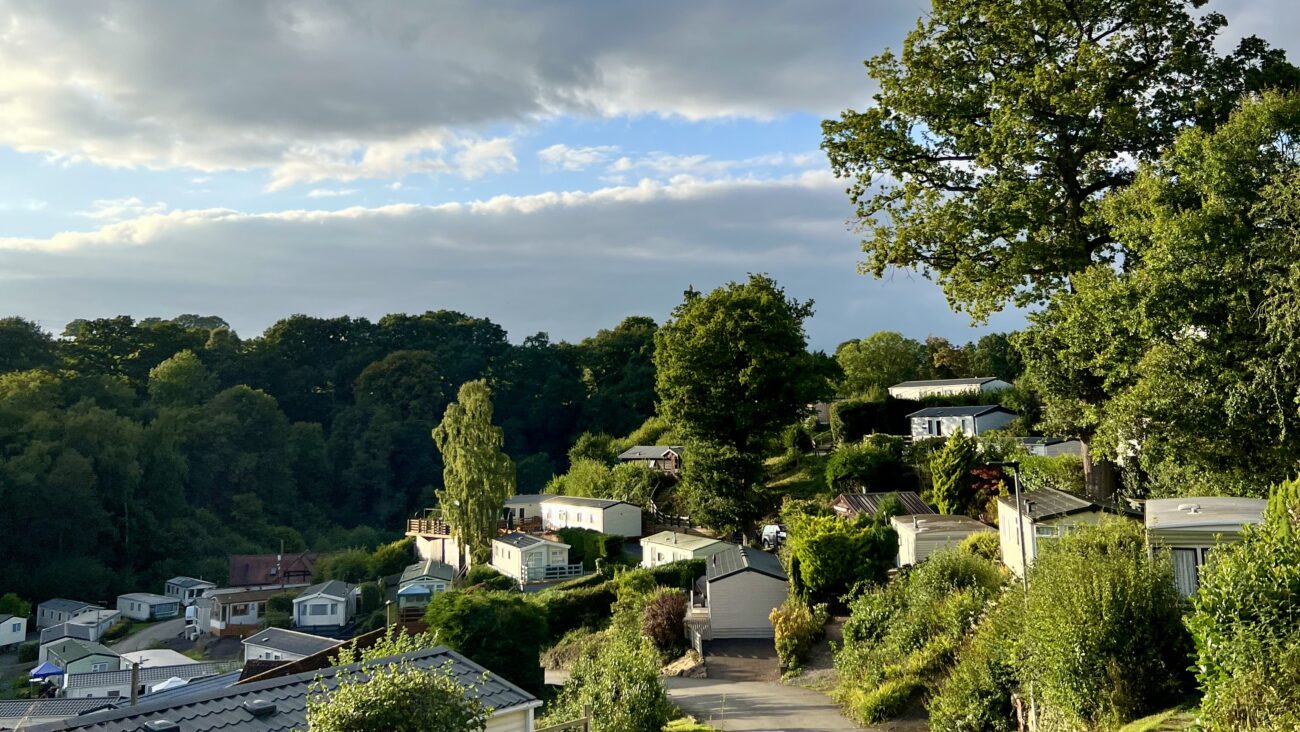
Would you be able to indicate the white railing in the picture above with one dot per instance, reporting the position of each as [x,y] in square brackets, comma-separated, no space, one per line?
[552,572]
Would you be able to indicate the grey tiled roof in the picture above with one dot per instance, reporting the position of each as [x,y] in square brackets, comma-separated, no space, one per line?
[741,558]
[979,411]
[427,568]
[1049,503]
[223,709]
[291,641]
[333,588]
[63,605]
[869,503]
[152,674]
[12,712]
[519,541]
[72,649]
[66,630]
[584,501]
[973,381]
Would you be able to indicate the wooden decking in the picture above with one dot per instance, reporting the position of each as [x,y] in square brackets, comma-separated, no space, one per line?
[436,527]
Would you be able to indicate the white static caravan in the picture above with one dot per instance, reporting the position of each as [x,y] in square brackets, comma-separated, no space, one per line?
[326,605]
[529,558]
[917,390]
[598,514]
[1048,514]
[61,610]
[148,606]
[672,546]
[282,644]
[947,421]
[920,535]
[187,589]
[1191,527]
[13,630]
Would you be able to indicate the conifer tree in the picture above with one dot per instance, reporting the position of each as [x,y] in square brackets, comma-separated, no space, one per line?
[950,469]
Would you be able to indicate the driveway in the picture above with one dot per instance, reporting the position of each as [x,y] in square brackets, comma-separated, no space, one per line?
[151,635]
[756,706]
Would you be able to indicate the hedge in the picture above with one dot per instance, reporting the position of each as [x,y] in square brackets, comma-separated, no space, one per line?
[568,610]
[853,419]
[587,546]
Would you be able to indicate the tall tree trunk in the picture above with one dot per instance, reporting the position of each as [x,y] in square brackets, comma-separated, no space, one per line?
[1099,476]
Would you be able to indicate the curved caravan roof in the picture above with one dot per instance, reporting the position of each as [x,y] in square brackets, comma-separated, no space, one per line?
[1208,513]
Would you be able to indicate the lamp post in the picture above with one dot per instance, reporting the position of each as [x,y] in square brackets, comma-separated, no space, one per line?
[1020,521]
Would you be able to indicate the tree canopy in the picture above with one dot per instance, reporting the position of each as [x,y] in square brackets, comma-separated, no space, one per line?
[477,476]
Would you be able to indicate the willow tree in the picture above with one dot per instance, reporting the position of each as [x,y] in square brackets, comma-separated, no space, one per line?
[478,477]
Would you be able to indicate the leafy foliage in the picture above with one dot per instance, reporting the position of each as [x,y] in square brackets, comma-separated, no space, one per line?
[950,471]
[621,685]
[478,477]
[662,621]
[1105,642]
[828,555]
[977,694]
[472,622]
[796,627]
[396,697]
[12,604]
[866,466]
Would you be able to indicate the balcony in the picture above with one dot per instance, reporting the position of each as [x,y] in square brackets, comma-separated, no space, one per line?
[552,573]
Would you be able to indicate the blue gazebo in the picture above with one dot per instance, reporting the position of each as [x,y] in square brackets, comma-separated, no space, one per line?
[45,671]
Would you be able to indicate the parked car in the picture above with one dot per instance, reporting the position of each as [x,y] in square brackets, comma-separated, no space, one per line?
[773,536]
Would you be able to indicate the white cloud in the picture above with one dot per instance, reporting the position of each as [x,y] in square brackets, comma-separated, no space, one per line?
[562,157]
[344,89]
[668,165]
[330,192]
[116,209]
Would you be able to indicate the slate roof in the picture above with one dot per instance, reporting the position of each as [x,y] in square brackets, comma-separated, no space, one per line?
[62,605]
[1049,503]
[332,588]
[648,452]
[190,582]
[291,641]
[972,381]
[979,411]
[428,568]
[152,674]
[690,542]
[20,709]
[601,503]
[72,649]
[223,709]
[869,503]
[4,617]
[741,558]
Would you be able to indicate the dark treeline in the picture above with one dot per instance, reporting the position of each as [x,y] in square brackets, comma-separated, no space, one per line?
[133,451]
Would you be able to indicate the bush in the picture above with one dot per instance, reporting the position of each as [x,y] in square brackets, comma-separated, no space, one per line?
[984,544]
[663,620]
[12,604]
[853,419]
[1104,640]
[116,630]
[28,651]
[576,644]
[391,558]
[587,546]
[1245,626]
[977,695]
[828,555]
[1062,472]
[906,634]
[349,565]
[501,631]
[865,465]
[680,574]
[622,686]
[395,697]
[797,628]
[487,578]
[567,610]
[796,440]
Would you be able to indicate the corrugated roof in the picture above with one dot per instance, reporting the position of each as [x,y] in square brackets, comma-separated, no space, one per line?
[332,588]
[428,568]
[527,499]
[601,503]
[62,605]
[519,541]
[149,598]
[241,595]
[223,709]
[1205,512]
[153,674]
[972,381]
[66,630]
[678,540]
[1049,503]
[869,503]
[648,452]
[740,559]
[291,641]
[978,411]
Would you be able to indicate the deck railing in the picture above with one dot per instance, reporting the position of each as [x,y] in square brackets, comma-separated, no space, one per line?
[552,572]
[435,526]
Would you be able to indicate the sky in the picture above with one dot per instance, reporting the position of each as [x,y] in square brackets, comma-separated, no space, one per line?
[554,166]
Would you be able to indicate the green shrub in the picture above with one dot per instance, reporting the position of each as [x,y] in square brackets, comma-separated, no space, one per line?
[502,631]
[116,630]
[1246,628]
[487,578]
[620,684]
[865,465]
[906,633]
[853,419]
[680,574]
[1062,472]
[587,546]
[12,604]
[582,607]
[391,558]
[976,695]
[828,556]
[28,652]
[984,544]
[663,620]
[349,565]
[796,439]
[577,643]
[797,628]
[1103,635]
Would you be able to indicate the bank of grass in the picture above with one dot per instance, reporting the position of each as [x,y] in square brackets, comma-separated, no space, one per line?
[803,479]
[1170,720]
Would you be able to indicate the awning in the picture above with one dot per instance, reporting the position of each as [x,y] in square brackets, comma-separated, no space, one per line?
[45,670]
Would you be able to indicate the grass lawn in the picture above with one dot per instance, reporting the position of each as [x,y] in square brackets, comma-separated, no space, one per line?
[805,480]
[1170,720]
